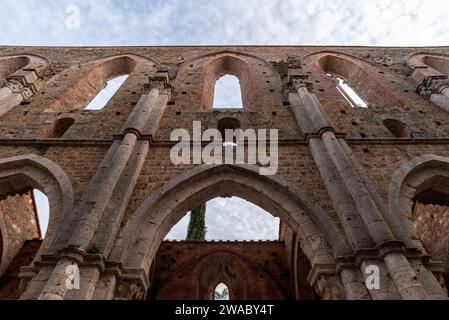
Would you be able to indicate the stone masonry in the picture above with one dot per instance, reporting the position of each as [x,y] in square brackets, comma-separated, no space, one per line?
[355,187]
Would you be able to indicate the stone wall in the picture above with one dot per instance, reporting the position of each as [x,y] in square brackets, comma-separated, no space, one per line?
[339,185]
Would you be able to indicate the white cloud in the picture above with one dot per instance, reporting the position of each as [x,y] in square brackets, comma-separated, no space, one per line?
[232,219]
[118,22]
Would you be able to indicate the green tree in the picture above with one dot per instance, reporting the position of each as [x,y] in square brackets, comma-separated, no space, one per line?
[197,224]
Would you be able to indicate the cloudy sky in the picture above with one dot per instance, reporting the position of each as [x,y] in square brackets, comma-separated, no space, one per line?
[258,22]
[183,22]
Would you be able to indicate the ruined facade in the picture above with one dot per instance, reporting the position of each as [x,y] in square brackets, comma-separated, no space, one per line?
[355,187]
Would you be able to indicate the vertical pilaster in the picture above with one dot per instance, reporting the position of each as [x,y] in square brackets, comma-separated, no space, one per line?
[102,205]
[361,212]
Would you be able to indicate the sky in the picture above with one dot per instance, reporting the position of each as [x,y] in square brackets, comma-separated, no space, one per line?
[183,22]
[223,22]
[232,219]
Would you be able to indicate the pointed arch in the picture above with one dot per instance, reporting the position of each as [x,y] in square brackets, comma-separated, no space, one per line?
[249,70]
[20,78]
[426,66]
[360,75]
[405,184]
[14,65]
[33,171]
[220,266]
[91,77]
[140,238]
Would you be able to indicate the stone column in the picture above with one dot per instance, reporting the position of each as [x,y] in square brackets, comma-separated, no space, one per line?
[350,193]
[99,191]
[106,197]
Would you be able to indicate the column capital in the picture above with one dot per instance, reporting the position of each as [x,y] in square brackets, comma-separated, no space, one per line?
[296,81]
[160,81]
[433,84]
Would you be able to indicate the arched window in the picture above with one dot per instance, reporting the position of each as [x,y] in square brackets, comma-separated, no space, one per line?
[58,128]
[103,97]
[397,128]
[347,91]
[221,292]
[227,93]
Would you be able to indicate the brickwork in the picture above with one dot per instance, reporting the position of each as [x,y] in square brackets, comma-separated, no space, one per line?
[18,223]
[343,189]
[251,270]
[432,224]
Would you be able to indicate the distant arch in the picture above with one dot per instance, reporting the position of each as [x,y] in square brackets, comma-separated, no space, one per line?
[221,266]
[223,295]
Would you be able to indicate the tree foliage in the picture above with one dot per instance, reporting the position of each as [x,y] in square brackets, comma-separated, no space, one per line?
[197,224]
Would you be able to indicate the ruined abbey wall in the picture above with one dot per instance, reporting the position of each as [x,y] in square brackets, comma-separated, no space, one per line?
[344,185]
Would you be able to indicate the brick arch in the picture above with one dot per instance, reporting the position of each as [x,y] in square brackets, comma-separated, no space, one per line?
[141,236]
[250,70]
[205,272]
[90,77]
[426,64]
[360,74]
[20,78]
[33,171]
[405,184]
[13,65]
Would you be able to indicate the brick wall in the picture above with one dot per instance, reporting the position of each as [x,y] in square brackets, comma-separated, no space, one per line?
[181,269]
[17,223]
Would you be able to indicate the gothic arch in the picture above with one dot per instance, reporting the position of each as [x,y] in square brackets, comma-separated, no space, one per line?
[141,236]
[247,68]
[11,64]
[218,266]
[426,65]
[360,74]
[20,78]
[90,77]
[405,184]
[33,171]
[14,65]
